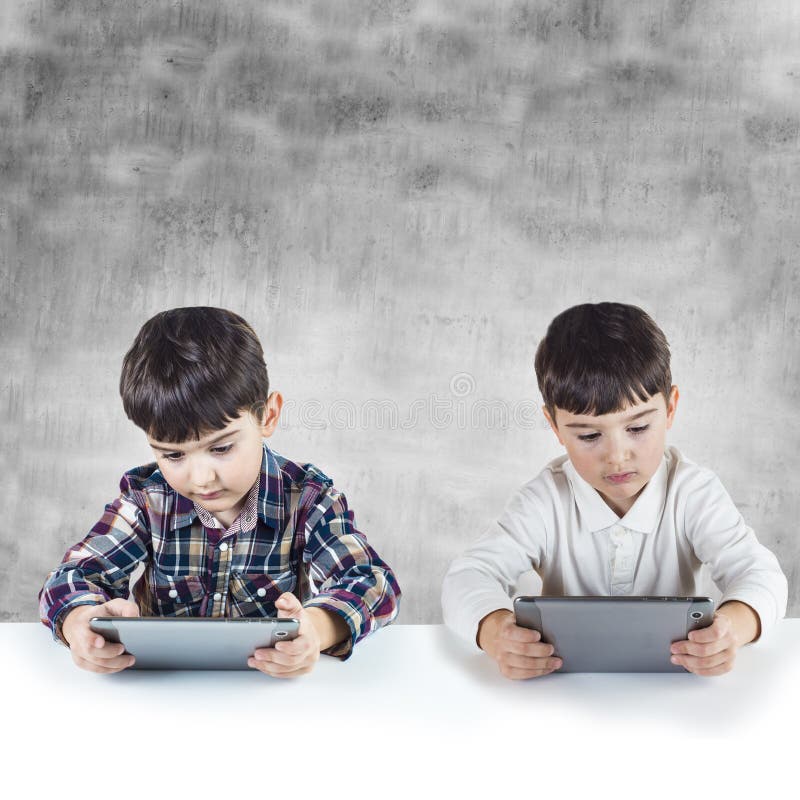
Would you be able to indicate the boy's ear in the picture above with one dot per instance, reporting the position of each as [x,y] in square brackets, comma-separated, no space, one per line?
[270,414]
[672,406]
[552,424]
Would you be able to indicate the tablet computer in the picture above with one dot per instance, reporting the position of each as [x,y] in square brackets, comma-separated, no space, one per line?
[614,634]
[193,642]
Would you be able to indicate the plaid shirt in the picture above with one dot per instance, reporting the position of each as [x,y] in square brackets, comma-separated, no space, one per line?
[295,533]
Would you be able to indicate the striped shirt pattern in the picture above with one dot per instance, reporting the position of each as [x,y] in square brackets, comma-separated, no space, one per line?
[295,533]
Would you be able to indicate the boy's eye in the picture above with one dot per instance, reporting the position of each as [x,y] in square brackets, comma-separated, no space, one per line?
[220,451]
[591,437]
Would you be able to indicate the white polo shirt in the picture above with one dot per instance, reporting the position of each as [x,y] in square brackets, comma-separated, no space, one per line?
[682,531]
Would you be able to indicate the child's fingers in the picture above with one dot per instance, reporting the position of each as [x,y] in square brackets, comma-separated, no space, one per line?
[530,649]
[278,670]
[293,674]
[263,654]
[275,656]
[119,608]
[274,668]
[698,649]
[718,629]
[705,635]
[517,674]
[106,649]
[516,633]
[695,663]
[289,659]
[528,663]
[91,666]
[107,665]
[90,644]
[288,606]
[293,647]
[116,663]
[92,652]
[720,670]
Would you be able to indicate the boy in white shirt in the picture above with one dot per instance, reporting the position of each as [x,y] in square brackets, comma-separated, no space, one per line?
[620,513]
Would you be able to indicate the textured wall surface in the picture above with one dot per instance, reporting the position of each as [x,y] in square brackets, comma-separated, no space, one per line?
[399,196]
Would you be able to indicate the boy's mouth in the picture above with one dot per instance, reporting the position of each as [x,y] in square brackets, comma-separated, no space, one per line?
[211,495]
[620,477]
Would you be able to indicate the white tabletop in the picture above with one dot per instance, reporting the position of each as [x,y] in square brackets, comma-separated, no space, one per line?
[411,702]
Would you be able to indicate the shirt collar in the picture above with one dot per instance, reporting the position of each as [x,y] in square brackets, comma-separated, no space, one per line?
[642,516]
[245,519]
[270,495]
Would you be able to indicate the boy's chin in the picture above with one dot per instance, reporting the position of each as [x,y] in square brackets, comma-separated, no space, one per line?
[616,494]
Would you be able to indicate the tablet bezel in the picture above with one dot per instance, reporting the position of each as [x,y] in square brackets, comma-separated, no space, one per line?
[630,633]
[219,643]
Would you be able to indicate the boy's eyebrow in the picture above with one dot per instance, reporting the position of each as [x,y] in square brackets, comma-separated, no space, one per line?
[627,419]
[211,441]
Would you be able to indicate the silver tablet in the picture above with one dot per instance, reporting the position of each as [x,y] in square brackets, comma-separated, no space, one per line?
[193,642]
[614,634]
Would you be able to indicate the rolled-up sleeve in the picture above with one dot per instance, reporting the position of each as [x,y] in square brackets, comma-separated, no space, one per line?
[742,567]
[347,577]
[482,579]
[97,568]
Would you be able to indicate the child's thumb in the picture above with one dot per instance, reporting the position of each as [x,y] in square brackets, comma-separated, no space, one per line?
[288,605]
[121,608]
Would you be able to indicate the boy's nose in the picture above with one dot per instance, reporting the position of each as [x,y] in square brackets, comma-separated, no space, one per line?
[202,477]
[617,454]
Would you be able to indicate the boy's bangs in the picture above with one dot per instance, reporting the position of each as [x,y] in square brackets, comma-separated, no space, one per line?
[601,393]
[607,390]
[171,416]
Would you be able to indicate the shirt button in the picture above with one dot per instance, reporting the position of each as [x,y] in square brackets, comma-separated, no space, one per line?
[261,592]
[218,596]
[223,547]
[173,592]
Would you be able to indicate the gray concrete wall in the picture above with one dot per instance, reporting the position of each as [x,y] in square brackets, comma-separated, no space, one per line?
[399,196]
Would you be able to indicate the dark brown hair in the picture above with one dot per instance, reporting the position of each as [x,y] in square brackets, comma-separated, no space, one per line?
[598,357]
[191,371]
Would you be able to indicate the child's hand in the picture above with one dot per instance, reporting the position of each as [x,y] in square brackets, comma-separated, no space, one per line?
[708,651]
[518,651]
[295,657]
[90,650]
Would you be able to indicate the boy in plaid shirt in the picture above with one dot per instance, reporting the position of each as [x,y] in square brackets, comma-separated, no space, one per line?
[223,525]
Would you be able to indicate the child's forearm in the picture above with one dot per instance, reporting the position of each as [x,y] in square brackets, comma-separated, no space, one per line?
[331,628]
[744,620]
